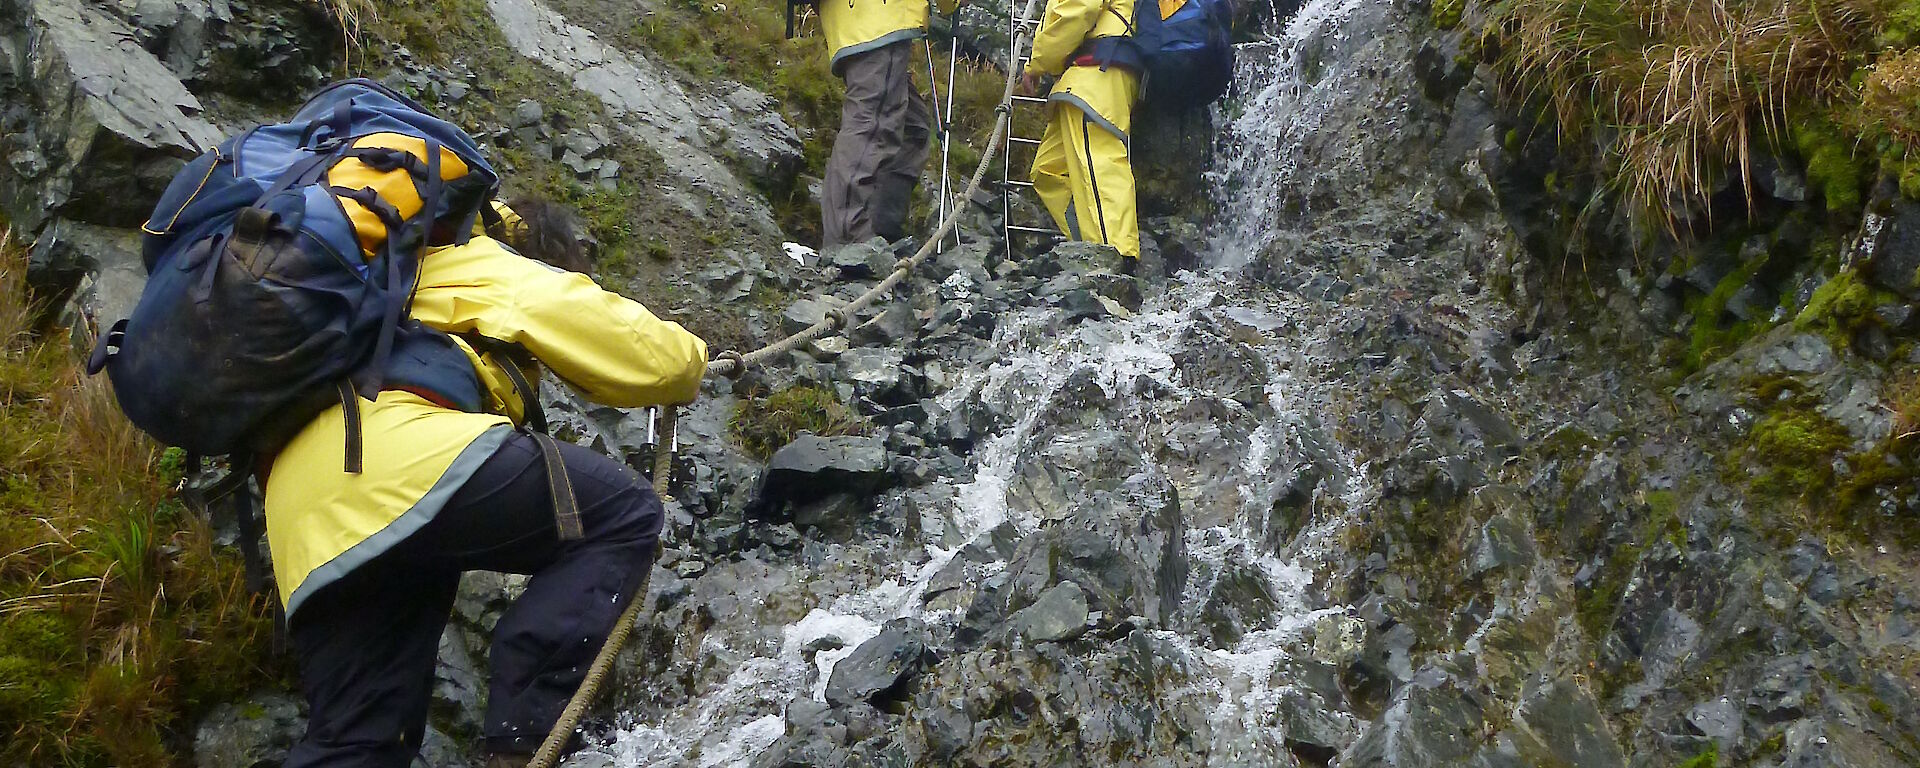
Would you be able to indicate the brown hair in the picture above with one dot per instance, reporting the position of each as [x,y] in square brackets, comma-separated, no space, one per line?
[551,233]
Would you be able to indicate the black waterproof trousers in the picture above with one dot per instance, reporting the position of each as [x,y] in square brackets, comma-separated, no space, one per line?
[367,643]
[880,150]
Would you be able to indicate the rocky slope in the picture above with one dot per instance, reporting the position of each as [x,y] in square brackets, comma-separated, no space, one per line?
[1398,461]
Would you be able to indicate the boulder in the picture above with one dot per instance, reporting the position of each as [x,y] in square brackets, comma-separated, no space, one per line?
[256,733]
[94,125]
[802,314]
[101,264]
[874,673]
[877,374]
[811,468]
[1060,614]
[870,260]
[1896,251]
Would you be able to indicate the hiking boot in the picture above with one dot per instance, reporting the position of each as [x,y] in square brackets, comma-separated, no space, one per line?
[508,760]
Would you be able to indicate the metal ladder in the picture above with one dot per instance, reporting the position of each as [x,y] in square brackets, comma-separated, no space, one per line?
[1008,183]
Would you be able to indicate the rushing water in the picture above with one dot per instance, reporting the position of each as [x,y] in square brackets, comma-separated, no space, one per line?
[1276,108]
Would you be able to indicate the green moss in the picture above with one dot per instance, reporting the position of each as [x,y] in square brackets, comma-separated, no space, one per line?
[1902,27]
[1832,167]
[1596,605]
[762,426]
[1839,306]
[1446,13]
[1795,447]
[1708,340]
[1710,758]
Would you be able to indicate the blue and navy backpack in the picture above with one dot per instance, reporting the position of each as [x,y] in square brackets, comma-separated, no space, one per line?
[1183,50]
[279,269]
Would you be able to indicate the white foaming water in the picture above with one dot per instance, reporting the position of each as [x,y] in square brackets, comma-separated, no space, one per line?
[729,723]
[1258,152]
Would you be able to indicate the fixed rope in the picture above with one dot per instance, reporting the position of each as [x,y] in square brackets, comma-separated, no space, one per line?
[733,364]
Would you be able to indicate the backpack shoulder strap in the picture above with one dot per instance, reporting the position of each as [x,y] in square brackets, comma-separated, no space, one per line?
[566,509]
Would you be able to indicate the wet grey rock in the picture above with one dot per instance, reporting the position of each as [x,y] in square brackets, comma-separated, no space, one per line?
[838,510]
[689,129]
[459,685]
[256,733]
[870,260]
[1424,726]
[96,125]
[892,325]
[1059,614]
[877,374]
[947,730]
[528,113]
[1795,353]
[437,747]
[802,314]
[1558,723]
[101,264]
[1896,257]
[1502,543]
[1081,304]
[875,671]
[811,468]
[1718,719]
[1239,601]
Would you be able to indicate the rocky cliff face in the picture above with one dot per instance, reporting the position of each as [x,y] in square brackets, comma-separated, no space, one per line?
[1416,463]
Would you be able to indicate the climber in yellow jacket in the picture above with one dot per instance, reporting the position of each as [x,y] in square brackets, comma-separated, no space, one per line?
[1080,170]
[368,564]
[884,123]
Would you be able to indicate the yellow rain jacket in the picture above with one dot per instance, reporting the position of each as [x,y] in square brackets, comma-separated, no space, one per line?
[858,26]
[322,522]
[1080,170]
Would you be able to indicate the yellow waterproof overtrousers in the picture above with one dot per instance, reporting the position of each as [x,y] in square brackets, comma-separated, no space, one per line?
[858,26]
[323,522]
[1080,170]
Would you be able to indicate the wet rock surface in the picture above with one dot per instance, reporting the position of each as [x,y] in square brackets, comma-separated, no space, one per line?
[1370,483]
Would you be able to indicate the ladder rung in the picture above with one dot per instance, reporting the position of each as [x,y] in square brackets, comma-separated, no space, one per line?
[1018,140]
[1029,100]
[1026,22]
[1031,230]
[1018,183]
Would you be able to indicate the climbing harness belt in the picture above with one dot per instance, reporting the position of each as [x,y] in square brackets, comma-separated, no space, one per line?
[733,364]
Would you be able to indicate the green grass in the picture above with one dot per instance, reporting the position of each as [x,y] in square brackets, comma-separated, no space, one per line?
[118,621]
[761,426]
[1686,93]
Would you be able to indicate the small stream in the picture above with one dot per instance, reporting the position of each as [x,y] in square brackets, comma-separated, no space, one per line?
[1231,457]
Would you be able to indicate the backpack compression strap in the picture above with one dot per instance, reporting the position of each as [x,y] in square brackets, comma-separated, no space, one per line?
[566,509]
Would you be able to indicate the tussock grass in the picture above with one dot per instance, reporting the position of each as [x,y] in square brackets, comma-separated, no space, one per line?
[118,621]
[351,17]
[762,426]
[1685,91]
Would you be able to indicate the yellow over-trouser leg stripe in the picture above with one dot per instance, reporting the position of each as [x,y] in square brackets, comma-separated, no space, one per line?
[1080,170]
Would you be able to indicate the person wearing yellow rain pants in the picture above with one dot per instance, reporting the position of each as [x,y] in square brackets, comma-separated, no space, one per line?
[368,564]
[1080,170]
[881,148]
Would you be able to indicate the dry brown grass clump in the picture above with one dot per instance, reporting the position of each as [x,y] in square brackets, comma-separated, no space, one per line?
[118,621]
[1684,88]
[1891,98]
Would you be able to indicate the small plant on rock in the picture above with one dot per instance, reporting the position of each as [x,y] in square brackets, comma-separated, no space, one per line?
[761,426]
